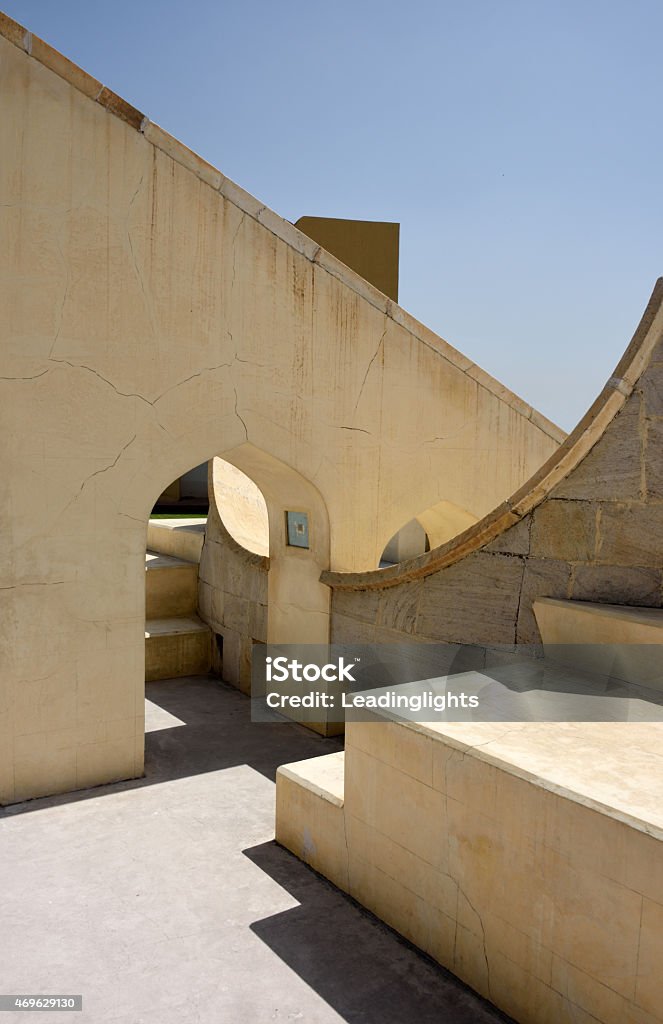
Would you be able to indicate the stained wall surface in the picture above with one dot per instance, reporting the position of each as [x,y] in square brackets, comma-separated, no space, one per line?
[155,315]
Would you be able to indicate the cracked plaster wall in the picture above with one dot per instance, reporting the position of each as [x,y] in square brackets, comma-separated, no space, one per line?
[150,323]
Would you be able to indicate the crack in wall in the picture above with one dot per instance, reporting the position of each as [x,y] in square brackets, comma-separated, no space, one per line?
[483,933]
[47,583]
[234,251]
[89,369]
[98,472]
[65,295]
[239,416]
[521,585]
[34,376]
[148,302]
[368,370]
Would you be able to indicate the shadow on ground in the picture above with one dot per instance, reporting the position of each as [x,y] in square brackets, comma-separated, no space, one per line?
[188,875]
[366,971]
[201,724]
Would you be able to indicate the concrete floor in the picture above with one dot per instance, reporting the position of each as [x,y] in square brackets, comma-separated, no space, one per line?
[166,901]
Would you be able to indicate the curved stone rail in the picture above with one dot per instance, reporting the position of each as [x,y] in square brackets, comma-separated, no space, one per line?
[579,443]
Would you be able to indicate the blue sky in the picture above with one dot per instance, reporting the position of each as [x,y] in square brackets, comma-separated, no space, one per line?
[518,144]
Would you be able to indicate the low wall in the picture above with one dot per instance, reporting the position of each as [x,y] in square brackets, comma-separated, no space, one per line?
[505,864]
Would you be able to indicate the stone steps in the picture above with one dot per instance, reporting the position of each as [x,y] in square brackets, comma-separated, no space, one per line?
[177,643]
[171,586]
[181,538]
[176,647]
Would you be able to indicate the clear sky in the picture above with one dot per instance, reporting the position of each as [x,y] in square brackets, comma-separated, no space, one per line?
[518,142]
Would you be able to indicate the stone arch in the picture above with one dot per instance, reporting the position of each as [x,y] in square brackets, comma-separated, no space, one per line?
[156,315]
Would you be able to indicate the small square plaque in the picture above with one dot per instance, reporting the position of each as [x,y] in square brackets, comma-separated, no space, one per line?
[297,526]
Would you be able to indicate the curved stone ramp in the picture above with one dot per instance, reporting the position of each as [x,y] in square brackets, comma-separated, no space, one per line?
[586,526]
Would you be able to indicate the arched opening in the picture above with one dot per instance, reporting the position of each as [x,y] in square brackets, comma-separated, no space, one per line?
[218,585]
[186,495]
[434,526]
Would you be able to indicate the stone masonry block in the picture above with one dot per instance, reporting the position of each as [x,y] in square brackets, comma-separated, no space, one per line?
[611,470]
[542,578]
[348,630]
[616,584]
[515,540]
[398,606]
[357,604]
[653,456]
[630,535]
[258,622]
[236,614]
[650,386]
[473,601]
[564,530]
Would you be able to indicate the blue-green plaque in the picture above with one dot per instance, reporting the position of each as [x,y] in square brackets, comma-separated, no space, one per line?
[297,525]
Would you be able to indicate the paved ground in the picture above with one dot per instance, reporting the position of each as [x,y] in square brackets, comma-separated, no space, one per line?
[165,901]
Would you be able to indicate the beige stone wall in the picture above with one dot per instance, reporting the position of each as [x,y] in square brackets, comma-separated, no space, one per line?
[595,536]
[232,600]
[525,857]
[499,860]
[155,315]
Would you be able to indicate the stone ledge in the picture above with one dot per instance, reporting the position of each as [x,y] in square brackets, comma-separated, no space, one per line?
[323,776]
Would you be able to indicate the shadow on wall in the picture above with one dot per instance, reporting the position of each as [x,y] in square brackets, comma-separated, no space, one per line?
[430,528]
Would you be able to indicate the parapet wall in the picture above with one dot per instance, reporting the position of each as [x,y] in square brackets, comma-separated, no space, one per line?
[526,871]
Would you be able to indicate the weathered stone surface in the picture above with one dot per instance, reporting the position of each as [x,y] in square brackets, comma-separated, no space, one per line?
[473,601]
[398,607]
[514,541]
[653,461]
[205,601]
[630,535]
[348,630]
[611,470]
[218,599]
[542,578]
[236,614]
[358,604]
[564,530]
[245,660]
[231,656]
[651,388]
[614,584]
[258,622]
[384,635]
